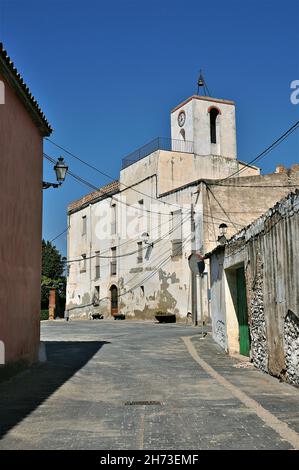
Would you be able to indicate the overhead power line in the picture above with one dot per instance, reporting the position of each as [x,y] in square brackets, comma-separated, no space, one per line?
[150,275]
[106,175]
[59,235]
[95,188]
[77,260]
[140,283]
[277,142]
[263,186]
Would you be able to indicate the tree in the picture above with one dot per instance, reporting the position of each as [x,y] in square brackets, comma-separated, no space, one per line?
[53,265]
[53,262]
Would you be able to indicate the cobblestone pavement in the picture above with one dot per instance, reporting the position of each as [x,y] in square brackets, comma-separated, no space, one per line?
[128,385]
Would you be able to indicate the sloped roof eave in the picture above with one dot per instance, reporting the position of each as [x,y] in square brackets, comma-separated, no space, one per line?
[15,80]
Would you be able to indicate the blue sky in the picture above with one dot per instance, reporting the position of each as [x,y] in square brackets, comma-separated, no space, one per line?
[107,74]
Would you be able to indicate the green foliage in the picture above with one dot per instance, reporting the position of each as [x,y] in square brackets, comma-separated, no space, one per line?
[44,315]
[53,264]
[58,284]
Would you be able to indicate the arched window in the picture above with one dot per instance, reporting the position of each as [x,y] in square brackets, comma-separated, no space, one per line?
[213,116]
[114,299]
[183,134]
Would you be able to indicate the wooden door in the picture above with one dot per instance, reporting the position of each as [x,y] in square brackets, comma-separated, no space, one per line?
[114,300]
[242,313]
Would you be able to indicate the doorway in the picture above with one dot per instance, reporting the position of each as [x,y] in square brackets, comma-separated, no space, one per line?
[114,299]
[242,312]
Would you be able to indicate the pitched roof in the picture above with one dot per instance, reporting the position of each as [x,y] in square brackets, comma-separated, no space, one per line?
[101,193]
[15,80]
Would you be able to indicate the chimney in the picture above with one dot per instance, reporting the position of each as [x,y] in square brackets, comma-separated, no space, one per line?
[281,169]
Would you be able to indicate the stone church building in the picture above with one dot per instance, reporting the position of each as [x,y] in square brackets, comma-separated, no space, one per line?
[129,241]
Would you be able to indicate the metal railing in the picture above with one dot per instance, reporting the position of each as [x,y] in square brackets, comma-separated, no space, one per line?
[160,143]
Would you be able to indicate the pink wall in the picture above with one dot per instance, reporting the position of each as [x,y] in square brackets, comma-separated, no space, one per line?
[21,163]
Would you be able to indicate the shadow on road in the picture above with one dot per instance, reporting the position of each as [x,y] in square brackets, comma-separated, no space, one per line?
[22,394]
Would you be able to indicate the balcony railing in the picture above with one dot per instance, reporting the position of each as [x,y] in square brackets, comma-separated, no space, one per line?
[160,143]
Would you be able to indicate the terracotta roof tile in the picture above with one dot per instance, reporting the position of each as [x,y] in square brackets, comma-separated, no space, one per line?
[101,193]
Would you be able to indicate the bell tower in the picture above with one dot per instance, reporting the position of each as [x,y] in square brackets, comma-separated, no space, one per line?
[207,122]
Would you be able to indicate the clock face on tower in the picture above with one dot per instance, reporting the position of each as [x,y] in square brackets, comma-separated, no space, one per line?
[181,118]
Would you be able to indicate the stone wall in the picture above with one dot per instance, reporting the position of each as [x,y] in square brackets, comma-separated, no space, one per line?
[291,347]
[255,292]
[269,251]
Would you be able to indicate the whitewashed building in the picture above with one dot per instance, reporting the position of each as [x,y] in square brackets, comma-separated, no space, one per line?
[129,242]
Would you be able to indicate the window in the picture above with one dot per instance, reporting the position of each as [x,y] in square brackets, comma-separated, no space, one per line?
[83,264]
[176,233]
[113,262]
[213,117]
[114,299]
[177,248]
[183,134]
[84,225]
[113,219]
[96,296]
[139,253]
[97,266]
[141,219]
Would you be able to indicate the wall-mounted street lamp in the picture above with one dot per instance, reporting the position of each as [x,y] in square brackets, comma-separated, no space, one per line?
[150,245]
[223,231]
[145,239]
[60,169]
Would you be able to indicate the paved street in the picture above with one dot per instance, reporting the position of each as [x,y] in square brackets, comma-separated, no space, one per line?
[129,385]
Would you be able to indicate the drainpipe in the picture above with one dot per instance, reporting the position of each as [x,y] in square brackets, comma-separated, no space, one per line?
[193,275]
[197,227]
[68,268]
[201,247]
[90,249]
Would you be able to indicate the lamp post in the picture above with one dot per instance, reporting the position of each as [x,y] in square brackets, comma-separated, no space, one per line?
[60,169]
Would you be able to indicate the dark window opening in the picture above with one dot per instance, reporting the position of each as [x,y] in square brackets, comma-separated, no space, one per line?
[139,252]
[113,262]
[96,296]
[83,264]
[177,248]
[213,116]
[84,225]
[114,297]
[98,272]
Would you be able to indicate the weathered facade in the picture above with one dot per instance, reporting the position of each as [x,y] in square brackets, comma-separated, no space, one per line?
[266,255]
[22,128]
[170,189]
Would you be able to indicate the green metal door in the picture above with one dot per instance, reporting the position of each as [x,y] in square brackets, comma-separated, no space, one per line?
[242,313]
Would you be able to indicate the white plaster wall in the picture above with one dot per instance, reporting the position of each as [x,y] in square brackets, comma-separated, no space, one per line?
[197,126]
[139,170]
[188,126]
[176,169]
[165,288]
[218,300]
